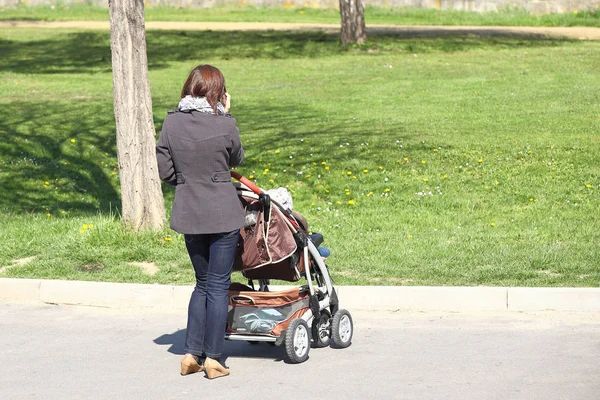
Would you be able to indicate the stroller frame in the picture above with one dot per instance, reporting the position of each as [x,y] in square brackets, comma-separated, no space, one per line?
[324,317]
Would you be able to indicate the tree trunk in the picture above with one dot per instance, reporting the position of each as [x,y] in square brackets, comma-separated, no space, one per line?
[353,22]
[141,194]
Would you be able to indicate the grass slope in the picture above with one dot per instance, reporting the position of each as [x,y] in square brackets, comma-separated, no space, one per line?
[436,161]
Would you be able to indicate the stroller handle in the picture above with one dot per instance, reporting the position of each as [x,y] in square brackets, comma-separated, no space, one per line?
[246,181]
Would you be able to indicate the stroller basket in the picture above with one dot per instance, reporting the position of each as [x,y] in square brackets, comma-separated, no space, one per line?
[264,313]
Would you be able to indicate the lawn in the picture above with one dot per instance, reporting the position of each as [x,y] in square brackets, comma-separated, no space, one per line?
[423,161]
[373,15]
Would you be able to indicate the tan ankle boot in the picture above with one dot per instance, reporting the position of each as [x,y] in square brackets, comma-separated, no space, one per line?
[189,365]
[214,369]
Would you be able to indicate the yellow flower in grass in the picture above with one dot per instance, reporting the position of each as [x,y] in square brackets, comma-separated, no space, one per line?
[271,181]
[588,185]
[349,173]
[492,224]
[277,152]
[480,160]
[351,202]
[251,176]
[405,159]
[323,163]
[425,180]
[387,190]
[366,171]
[435,150]
[314,163]
[423,162]
[266,171]
[338,202]
[380,167]
[81,231]
[497,183]
[370,194]
[327,168]
[73,140]
[47,214]
[85,226]
[410,236]
[445,177]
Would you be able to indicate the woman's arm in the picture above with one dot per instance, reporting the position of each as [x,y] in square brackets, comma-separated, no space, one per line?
[166,168]
[236,153]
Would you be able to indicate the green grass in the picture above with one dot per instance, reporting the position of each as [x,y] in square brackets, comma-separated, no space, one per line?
[481,153]
[373,15]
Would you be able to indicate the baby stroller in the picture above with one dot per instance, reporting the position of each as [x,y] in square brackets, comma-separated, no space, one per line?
[275,244]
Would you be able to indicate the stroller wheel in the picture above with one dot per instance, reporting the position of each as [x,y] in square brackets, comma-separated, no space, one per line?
[321,329]
[342,329]
[297,341]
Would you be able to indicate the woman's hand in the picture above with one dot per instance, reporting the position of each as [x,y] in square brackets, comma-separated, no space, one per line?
[226,100]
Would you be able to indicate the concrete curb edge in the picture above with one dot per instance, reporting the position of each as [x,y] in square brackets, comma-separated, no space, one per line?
[385,298]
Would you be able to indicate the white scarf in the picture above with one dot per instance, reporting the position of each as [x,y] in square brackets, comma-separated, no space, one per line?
[199,104]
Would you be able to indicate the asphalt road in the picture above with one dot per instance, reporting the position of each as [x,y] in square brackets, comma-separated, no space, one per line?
[67,352]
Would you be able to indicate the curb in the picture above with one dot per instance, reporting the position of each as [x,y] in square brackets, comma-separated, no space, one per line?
[383,298]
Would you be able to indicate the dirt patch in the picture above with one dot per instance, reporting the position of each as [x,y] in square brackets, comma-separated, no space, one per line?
[576,32]
[90,267]
[147,267]
[391,281]
[550,274]
[16,263]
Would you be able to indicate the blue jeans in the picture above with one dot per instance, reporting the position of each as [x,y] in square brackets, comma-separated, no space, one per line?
[212,256]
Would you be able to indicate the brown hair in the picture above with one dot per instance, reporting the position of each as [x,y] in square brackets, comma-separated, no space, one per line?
[205,81]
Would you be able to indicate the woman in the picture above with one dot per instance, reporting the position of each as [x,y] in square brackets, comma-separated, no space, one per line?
[198,143]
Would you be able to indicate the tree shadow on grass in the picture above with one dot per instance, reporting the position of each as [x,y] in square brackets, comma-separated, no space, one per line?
[89,51]
[281,138]
[62,155]
[482,32]
[58,155]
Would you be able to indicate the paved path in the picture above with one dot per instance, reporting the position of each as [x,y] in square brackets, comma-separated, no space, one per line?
[585,33]
[68,352]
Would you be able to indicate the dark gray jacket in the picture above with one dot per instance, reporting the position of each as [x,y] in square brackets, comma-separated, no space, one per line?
[194,153]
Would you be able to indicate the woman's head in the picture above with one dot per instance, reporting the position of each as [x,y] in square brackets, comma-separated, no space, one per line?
[205,81]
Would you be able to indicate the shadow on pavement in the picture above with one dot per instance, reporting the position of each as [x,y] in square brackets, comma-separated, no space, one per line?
[238,349]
